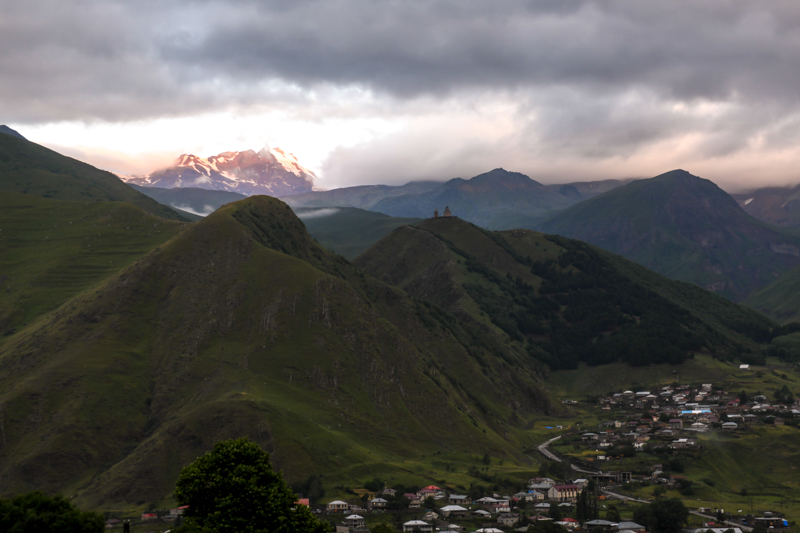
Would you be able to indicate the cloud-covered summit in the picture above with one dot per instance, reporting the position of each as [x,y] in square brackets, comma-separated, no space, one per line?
[554,85]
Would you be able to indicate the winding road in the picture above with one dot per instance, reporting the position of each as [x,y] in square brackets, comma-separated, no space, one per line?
[550,455]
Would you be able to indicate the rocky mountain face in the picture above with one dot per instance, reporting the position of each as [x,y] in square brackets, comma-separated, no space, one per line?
[686,228]
[270,171]
[775,205]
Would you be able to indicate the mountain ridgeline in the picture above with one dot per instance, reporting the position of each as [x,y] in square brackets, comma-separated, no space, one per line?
[562,300]
[28,168]
[242,325]
[686,228]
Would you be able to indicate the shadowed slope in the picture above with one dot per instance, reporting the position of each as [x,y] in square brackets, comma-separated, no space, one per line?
[561,299]
[29,168]
[686,228]
[243,325]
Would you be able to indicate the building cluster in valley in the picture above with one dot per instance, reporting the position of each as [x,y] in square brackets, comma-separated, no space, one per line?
[674,412]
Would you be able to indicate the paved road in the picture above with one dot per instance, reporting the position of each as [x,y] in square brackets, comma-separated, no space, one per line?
[547,453]
[550,455]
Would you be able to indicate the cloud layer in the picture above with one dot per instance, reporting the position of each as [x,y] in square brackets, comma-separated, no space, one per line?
[619,87]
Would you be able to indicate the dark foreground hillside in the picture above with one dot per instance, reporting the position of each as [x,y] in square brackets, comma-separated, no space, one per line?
[241,325]
[28,168]
[566,302]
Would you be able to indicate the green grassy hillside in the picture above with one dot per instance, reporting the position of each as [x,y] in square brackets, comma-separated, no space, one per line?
[28,168]
[780,299]
[563,300]
[241,325]
[685,228]
[51,250]
[349,231]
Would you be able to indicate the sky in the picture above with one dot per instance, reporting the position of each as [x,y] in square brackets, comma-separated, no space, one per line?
[385,91]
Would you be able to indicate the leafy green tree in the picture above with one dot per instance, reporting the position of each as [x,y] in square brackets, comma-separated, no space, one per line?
[662,516]
[659,491]
[612,514]
[233,489]
[545,526]
[429,503]
[383,527]
[37,511]
[555,512]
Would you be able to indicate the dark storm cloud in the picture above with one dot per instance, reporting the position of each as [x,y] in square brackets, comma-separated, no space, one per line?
[140,59]
[584,80]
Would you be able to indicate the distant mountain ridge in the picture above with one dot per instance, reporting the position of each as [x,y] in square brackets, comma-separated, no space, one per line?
[270,171]
[498,199]
[775,205]
[686,228]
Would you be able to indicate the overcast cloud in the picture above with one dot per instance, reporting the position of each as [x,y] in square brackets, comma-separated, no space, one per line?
[559,90]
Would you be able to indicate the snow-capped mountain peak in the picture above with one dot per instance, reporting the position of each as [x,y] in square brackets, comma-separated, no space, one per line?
[269,171]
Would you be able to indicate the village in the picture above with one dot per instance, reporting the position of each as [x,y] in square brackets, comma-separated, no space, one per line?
[665,423]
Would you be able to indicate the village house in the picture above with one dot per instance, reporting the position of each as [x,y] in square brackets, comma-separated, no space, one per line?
[353,521]
[414,501]
[377,504]
[423,527]
[631,526]
[149,516]
[564,493]
[508,519]
[454,511]
[459,499]
[337,506]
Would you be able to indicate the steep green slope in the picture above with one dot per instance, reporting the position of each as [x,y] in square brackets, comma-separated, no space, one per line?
[780,299]
[50,250]
[686,228]
[563,300]
[498,199]
[29,168]
[242,325]
[346,230]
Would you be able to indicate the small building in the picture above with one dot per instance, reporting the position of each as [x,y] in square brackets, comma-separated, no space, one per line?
[631,526]
[482,513]
[459,499]
[730,426]
[414,501]
[377,504]
[564,493]
[447,212]
[411,525]
[146,517]
[676,423]
[508,519]
[354,521]
[605,524]
[454,511]
[337,506]
[744,367]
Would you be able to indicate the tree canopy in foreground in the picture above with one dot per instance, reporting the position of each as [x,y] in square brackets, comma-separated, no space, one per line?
[233,489]
[37,511]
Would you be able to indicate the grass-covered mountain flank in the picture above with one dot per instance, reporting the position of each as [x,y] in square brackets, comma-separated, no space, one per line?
[242,325]
[563,301]
[28,168]
[686,228]
[51,250]
[348,231]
